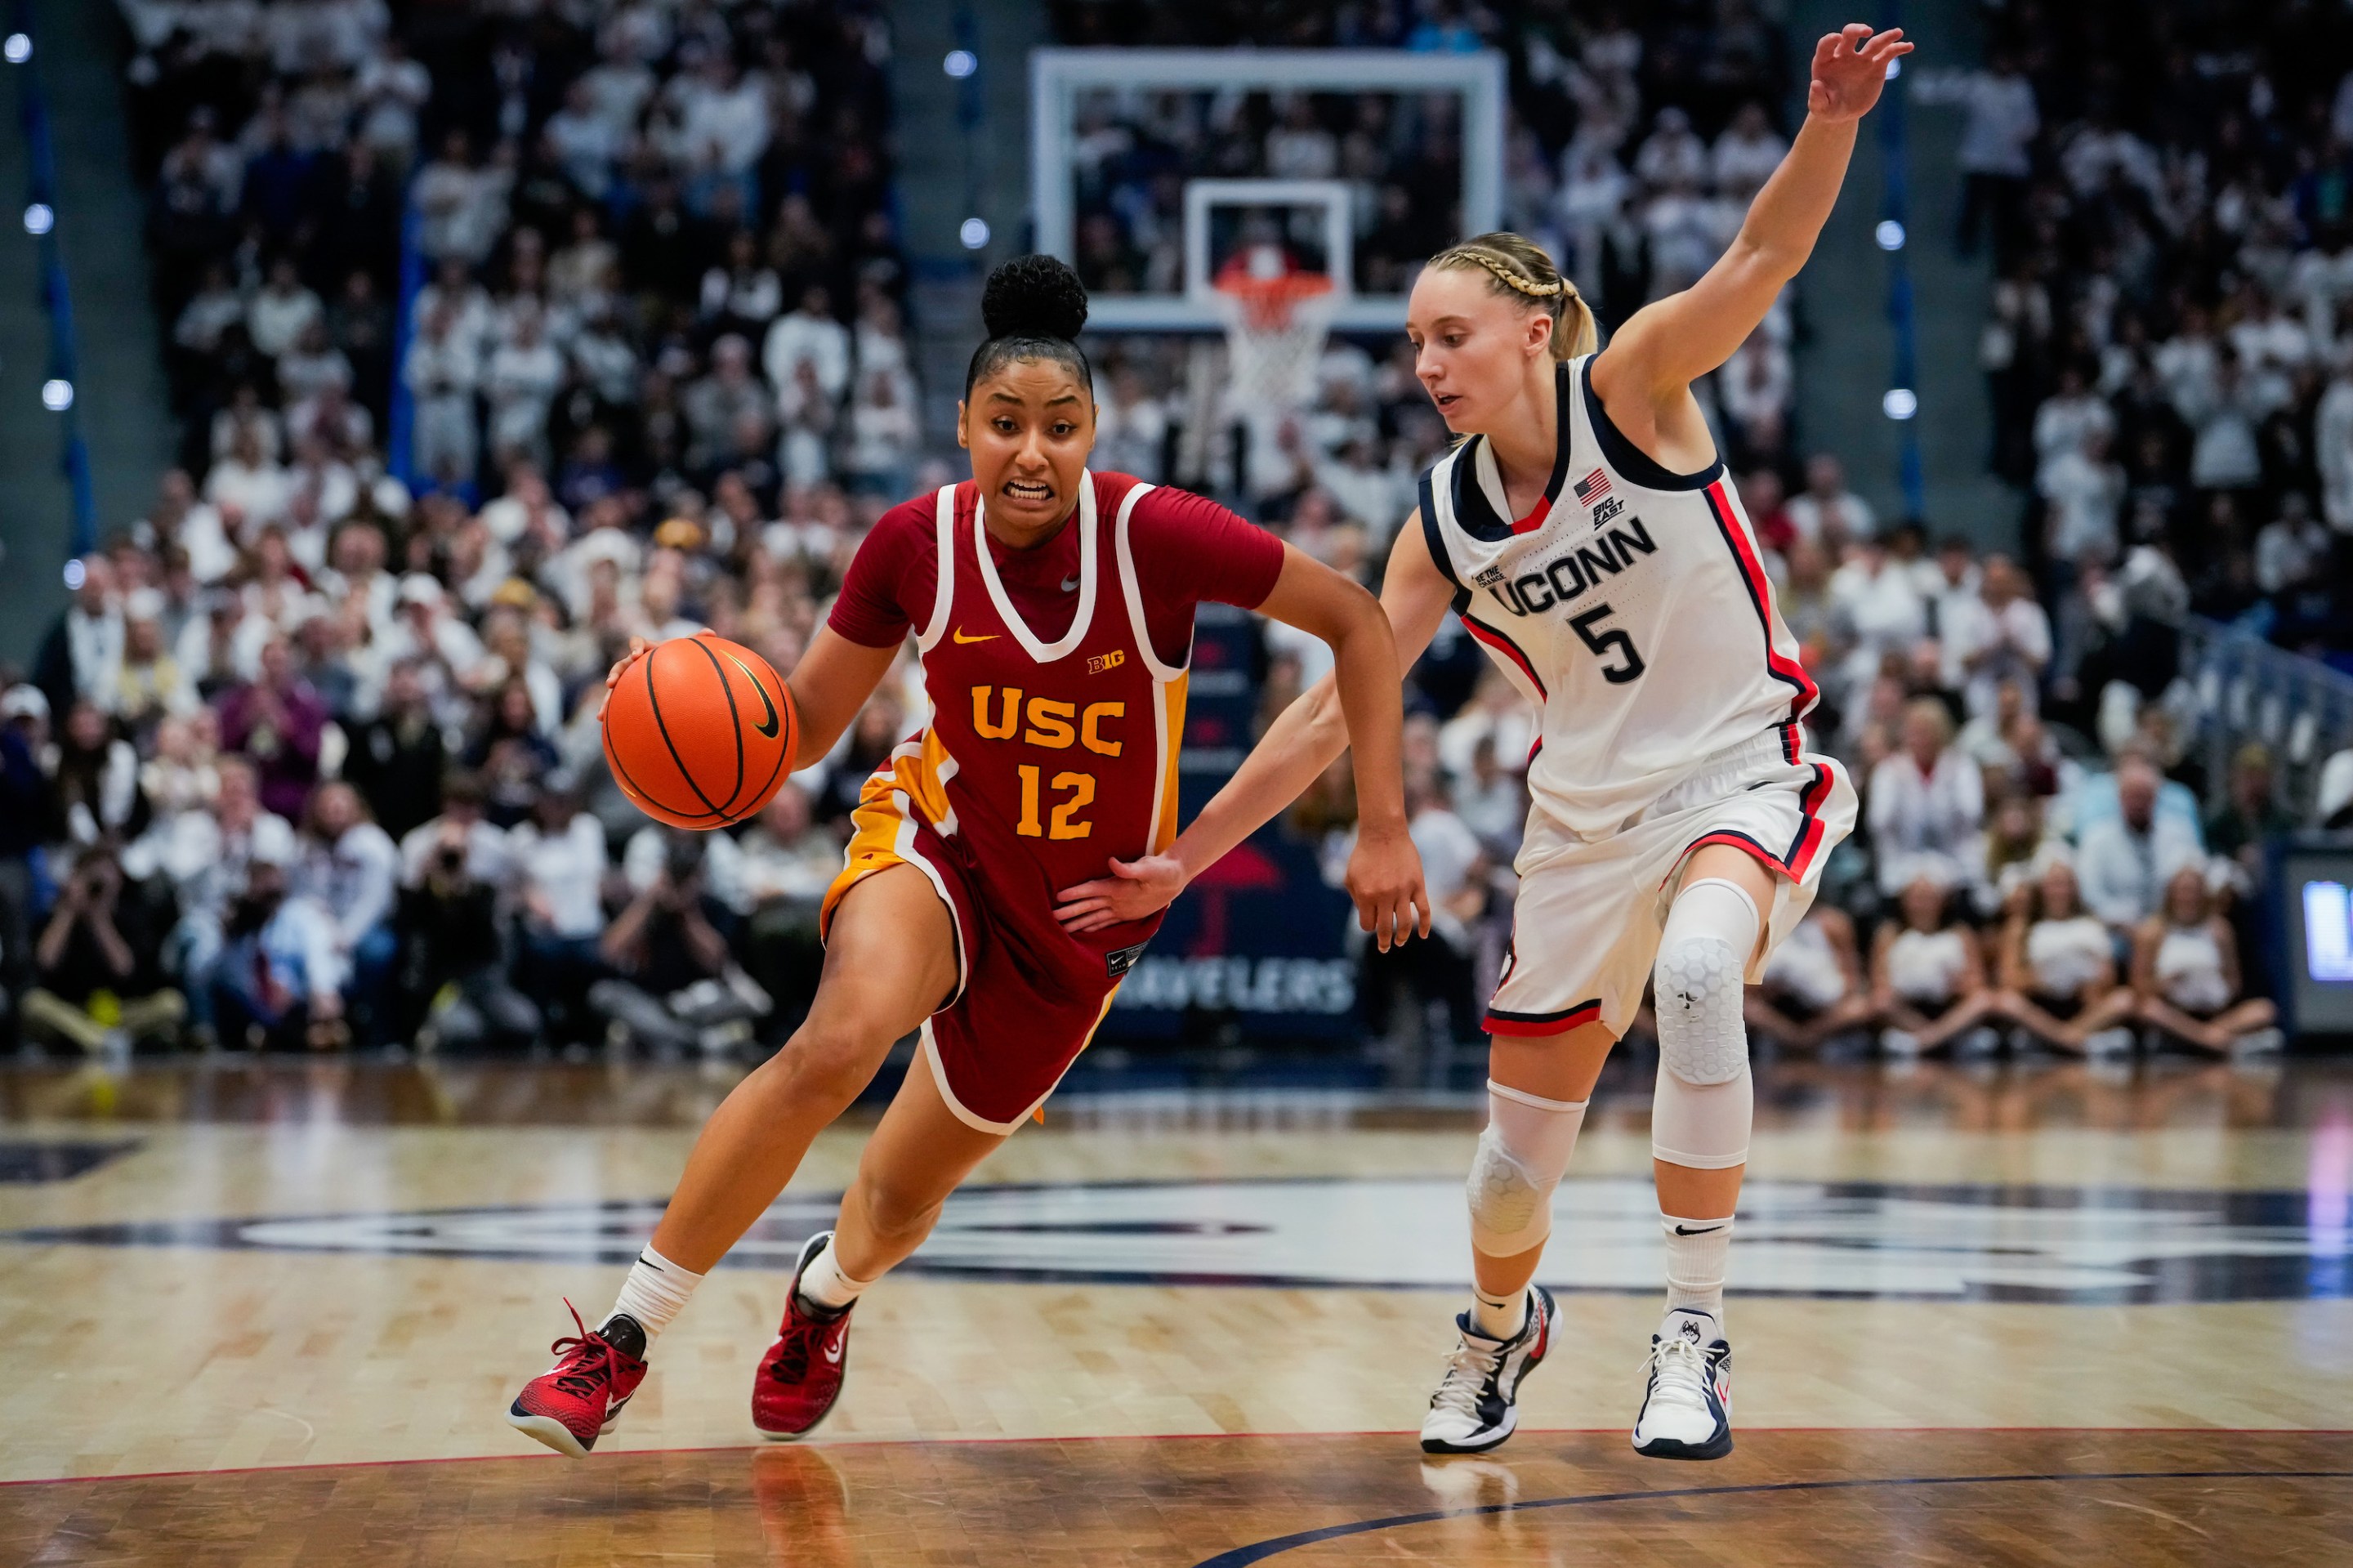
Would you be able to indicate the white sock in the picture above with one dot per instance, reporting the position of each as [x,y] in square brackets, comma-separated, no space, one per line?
[656,1291]
[824,1286]
[1499,1316]
[1696,1251]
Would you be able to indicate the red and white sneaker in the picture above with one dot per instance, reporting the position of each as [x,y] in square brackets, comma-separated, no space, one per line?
[800,1377]
[579,1399]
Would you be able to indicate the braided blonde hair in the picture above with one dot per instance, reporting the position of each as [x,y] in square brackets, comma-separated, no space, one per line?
[1521,269]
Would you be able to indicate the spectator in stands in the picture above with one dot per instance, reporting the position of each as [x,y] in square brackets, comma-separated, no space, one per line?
[2185,974]
[1996,142]
[2059,969]
[489,853]
[671,988]
[509,753]
[1813,989]
[99,961]
[2000,635]
[275,720]
[150,684]
[24,815]
[397,759]
[2084,488]
[2333,441]
[783,868]
[349,867]
[2127,858]
[1826,511]
[452,978]
[882,436]
[94,782]
[2015,852]
[1928,976]
[808,334]
[274,984]
[1927,805]
[1876,613]
[1746,153]
[2250,813]
[82,654]
[560,870]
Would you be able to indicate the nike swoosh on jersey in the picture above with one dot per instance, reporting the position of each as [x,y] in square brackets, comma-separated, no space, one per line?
[1069,585]
[768,728]
[960,637]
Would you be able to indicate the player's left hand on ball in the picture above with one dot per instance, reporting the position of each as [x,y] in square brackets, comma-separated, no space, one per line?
[1134,890]
[1385,879]
[638,649]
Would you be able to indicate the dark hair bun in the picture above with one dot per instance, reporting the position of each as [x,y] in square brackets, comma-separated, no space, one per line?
[1034,296]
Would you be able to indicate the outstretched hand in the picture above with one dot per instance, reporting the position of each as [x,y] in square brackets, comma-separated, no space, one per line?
[1849,69]
[1134,890]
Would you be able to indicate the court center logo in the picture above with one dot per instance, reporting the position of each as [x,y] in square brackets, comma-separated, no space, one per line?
[1835,1239]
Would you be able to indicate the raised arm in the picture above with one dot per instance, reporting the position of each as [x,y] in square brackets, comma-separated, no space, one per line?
[1296,748]
[1664,347]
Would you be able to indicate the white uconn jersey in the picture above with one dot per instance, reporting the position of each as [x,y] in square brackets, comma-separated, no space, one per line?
[1630,605]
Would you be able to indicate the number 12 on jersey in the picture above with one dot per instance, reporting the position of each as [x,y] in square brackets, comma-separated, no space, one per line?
[1059,824]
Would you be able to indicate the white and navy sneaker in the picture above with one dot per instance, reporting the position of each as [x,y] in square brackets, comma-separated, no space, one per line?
[1687,1402]
[1477,1402]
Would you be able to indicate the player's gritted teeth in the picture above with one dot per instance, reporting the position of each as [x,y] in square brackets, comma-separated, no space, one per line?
[1028,492]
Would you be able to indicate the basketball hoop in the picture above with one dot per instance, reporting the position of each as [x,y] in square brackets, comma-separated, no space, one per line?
[1276,320]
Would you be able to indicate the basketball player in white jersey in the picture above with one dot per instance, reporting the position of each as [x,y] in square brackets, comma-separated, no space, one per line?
[1586,536]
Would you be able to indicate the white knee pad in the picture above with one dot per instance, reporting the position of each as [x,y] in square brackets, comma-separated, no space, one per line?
[1521,1158]
[1697,981]
[1706,1098]
[1703,1126]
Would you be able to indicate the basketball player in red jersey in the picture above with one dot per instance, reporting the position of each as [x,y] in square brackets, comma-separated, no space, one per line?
[1053,607]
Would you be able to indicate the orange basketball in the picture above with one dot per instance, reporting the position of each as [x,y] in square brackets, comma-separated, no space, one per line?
[700,732]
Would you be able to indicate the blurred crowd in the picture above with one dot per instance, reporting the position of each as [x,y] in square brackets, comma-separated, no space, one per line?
[2034,800]
[632,246]
[2167,194]
[500,333]
[313,759]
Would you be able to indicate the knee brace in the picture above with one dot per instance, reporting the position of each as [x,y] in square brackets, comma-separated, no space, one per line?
[1697,981]
[1704,1099]
[1521,1158]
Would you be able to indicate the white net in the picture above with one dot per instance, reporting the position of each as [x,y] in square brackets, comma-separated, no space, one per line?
[1274,342]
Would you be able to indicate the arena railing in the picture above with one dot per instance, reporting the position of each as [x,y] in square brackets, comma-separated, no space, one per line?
[2239,688]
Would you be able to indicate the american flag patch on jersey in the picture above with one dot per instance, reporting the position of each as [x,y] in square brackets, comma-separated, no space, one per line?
[1592,487]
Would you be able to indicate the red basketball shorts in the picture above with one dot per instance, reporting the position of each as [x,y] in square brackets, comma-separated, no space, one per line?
[1026,1000]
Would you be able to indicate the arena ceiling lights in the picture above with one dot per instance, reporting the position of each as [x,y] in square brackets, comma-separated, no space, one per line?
[1062,80]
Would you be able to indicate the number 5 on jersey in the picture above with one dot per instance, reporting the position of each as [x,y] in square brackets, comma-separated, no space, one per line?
[1081,789]
[1601,642]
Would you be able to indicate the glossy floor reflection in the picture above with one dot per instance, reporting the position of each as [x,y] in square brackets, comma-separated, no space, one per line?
[254,1270]
[2090,1499]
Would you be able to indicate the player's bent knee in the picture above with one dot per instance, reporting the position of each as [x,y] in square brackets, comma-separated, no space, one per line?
[1510,1208]
[896,1210]
[827,1063]
[1520,1157]
[1698,983]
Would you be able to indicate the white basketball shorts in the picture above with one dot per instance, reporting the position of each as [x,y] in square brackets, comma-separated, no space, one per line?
[1585,931]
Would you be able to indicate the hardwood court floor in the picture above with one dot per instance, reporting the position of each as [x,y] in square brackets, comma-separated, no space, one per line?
[2001,1272]
[2090,1499]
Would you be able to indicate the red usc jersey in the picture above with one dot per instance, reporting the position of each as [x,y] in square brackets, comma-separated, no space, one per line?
[1056,685]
